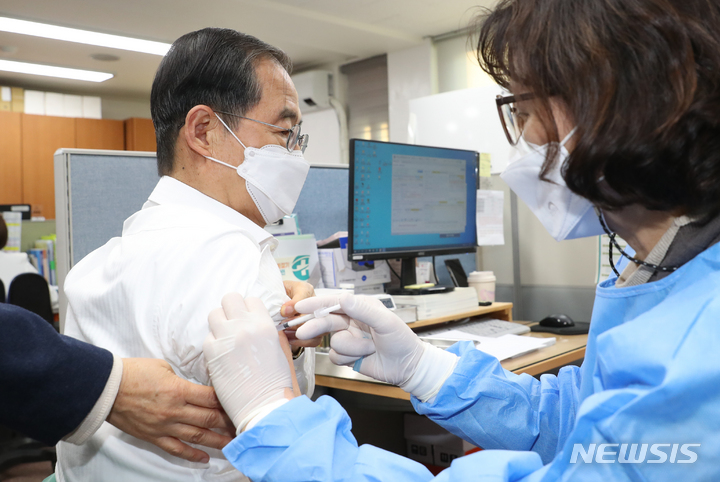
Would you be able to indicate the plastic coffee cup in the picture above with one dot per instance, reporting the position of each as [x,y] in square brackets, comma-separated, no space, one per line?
[484,284]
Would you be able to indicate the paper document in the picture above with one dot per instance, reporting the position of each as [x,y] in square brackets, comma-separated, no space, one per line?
[485,164]
[489,217]
[502,347]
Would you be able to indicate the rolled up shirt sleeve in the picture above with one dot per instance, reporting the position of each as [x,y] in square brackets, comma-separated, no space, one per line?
[102,407]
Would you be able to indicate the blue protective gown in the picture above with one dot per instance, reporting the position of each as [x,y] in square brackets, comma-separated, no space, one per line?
[651,375]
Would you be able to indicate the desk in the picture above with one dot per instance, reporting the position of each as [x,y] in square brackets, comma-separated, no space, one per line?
[566,349]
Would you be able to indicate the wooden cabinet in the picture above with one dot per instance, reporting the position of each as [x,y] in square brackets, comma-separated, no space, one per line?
[10,158]
[100,134]
[140,135]
[28,144]
[42,136]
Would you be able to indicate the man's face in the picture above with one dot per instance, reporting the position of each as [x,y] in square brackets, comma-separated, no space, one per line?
[279,106]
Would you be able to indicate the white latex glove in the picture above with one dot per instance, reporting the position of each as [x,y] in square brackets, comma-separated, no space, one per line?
[248,368]
[378,344]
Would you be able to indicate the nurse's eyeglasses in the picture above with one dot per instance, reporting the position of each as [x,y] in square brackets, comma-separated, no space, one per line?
[295,138]
[512,116]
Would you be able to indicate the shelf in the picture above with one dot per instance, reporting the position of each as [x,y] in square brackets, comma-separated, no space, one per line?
[501,311]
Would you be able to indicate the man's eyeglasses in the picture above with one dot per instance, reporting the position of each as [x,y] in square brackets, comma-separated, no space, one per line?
[513,118]
[295,138]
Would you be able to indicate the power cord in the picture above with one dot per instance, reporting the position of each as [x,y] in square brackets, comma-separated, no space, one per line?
[393,271]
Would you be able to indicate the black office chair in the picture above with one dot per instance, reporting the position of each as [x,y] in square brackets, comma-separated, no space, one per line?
[2,292]
[31,291]
[16,449]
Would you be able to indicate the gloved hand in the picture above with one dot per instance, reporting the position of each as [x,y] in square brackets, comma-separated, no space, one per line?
[378,344]
[248,367]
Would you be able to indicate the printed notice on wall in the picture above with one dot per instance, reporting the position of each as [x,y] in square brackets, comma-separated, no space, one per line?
[485,164]
[489,217]
[604,270]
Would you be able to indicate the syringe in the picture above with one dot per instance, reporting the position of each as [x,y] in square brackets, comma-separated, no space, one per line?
[320,313]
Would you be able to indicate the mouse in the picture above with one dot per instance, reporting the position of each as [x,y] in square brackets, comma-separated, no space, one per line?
[557,321]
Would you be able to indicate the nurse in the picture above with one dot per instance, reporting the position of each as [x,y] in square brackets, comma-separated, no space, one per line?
[615,108]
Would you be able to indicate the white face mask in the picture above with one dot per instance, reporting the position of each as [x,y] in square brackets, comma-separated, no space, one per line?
[274,177]
[563,213]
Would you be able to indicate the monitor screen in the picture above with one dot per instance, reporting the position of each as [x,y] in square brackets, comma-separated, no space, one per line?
[408,200]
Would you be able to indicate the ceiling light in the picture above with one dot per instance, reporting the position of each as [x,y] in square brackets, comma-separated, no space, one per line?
[82,36]
[105,57]
[50,71]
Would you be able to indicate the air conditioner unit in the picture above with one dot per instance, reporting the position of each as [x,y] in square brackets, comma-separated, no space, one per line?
[314,90]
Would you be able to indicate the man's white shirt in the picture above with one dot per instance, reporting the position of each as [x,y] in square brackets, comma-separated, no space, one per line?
[148,294]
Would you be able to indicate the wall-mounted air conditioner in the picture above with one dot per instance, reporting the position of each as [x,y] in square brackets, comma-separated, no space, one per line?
[314,90]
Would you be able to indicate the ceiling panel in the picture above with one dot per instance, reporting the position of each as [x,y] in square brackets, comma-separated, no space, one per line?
[312,32]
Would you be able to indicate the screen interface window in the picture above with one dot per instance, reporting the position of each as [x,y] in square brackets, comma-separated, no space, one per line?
[412,197]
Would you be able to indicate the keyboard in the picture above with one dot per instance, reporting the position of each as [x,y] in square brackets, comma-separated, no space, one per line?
[489,328]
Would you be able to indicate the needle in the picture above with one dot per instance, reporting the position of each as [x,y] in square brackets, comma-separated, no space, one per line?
[322,312]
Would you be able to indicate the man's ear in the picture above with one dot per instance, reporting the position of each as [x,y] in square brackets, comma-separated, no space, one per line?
[200,126]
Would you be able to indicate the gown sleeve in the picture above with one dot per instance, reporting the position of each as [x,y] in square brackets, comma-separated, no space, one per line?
[304,440]
[493,408]
[653,415]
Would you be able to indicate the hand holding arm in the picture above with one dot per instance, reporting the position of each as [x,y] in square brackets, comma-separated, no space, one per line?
[296,290]
[379,344]
[155,405]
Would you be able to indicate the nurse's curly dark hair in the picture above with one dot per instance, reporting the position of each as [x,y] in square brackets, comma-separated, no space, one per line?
[641,81]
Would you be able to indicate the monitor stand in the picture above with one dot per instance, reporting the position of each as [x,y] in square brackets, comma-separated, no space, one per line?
[407,272]
[408,277]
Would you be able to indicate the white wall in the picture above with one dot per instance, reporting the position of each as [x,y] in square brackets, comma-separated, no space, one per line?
[121,108]
[461,119]
[324,143]
[546,262]
[457,66]
[411,74]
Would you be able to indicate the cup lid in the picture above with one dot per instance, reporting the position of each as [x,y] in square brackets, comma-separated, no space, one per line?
[481,276]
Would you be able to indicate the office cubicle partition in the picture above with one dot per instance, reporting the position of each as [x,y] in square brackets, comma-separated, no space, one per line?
[322,207]
[96,191]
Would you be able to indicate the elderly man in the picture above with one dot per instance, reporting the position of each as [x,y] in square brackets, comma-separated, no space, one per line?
[227,122]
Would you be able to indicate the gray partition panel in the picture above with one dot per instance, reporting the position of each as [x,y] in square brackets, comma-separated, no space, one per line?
[322,207]
[105,188]
[105,191]
[95,192]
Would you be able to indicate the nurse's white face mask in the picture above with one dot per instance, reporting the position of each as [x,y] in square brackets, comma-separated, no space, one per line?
[563,213]
[274,177]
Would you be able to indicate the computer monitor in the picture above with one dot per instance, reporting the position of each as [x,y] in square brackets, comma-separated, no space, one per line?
[408,201]
[24,209]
